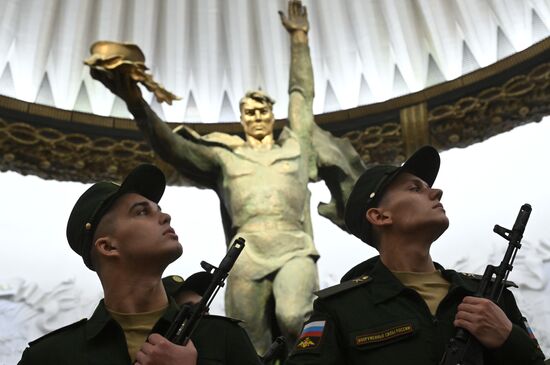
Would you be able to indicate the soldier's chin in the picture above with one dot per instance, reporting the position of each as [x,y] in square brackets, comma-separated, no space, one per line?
[441,228]
[179,250]
[176,253]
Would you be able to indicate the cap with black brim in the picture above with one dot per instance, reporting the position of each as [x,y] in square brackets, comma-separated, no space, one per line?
[146,180]
[370,187]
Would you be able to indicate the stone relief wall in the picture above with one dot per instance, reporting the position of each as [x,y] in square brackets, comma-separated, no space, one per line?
[28,311]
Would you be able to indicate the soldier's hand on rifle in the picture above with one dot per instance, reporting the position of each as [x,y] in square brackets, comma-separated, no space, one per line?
[297,17]
[484,320]
[159,351]
[120,82]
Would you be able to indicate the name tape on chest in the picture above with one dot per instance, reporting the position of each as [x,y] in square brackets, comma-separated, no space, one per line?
[384,335]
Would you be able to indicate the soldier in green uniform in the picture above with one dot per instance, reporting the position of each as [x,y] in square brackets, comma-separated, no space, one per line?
[122,234]
[401,307]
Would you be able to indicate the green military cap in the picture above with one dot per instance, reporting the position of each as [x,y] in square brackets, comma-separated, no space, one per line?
[146,180]
[198,283]
[370,187]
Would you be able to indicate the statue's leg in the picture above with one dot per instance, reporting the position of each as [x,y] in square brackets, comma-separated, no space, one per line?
[293,289]
[247,300]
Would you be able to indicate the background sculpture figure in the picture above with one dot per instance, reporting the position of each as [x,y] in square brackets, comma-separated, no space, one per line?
[262,185]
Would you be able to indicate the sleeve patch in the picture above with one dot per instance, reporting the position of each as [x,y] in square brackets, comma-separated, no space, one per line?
[311,335]
[530,332]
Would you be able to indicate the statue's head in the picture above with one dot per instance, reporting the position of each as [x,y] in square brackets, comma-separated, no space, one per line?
[257,114]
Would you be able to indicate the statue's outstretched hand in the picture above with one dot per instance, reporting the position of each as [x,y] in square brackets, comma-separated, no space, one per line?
[121,81]
[120,67]
[297,17]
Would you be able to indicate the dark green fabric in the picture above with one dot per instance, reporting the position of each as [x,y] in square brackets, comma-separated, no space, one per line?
[384,303]
[100,340]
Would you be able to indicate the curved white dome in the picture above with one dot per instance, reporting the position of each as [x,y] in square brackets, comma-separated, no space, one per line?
[211,51]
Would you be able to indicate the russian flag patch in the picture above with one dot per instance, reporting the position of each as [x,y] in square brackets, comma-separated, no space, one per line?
[311,335]
[530,332]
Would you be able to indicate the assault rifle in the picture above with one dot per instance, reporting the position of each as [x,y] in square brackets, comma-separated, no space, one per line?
[463,348]
[188,317]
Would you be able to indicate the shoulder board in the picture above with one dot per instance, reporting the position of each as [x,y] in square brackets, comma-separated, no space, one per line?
[232,320]
[478,277]
[346,285]
[59,330]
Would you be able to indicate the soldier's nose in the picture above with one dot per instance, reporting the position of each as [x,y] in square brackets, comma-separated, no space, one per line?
[436,193]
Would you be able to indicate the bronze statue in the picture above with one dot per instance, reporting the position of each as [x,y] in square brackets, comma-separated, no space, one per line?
[262,184]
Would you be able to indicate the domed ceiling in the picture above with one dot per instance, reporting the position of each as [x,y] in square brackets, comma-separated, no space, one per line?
[372,60]
[210,52]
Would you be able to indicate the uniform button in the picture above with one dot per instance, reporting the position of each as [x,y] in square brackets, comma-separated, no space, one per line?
[435,321]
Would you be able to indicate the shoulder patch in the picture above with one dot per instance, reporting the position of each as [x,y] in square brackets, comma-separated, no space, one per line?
[530,332]
[345,286]
[59,330]
[478,277]
[311,335]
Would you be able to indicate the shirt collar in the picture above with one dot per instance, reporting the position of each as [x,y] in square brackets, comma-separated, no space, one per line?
[458,282]
[384,283]
[387,286]
[101,319]
[98,321]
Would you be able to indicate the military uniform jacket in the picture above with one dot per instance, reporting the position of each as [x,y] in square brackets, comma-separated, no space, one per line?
[100,340]
[374,319]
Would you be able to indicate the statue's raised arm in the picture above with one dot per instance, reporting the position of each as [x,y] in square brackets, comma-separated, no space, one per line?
[331,159]
[117,67]
[301,86]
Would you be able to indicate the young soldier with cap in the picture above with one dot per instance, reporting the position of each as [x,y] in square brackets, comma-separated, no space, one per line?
[122,234]
[401,307]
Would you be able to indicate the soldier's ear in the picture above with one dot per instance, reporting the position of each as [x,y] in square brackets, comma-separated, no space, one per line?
[106,246]
[378,217]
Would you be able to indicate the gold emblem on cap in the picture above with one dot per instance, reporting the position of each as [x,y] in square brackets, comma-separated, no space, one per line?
[361,279]
[88,226]
[177,278]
